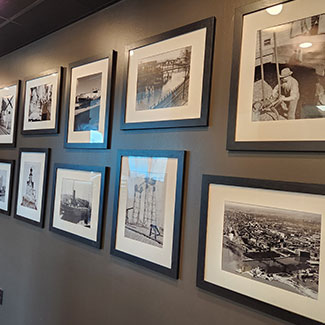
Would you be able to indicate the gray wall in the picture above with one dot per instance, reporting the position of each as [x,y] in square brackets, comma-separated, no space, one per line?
[49,279]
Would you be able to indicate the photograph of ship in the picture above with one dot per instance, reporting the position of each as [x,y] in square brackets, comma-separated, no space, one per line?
[31,179]
[87,103]
[289,77]
[6,111]
[278,247]
[3,182]
[40,103]
[163,80]
[76,198]
[146,189]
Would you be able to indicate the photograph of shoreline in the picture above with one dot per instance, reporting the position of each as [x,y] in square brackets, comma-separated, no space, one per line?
[278,247]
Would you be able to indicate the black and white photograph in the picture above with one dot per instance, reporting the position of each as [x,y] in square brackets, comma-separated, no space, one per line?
[261,244]
[8,114]
[163,80]
[87,106]
[6,178]
[275,246]
[77,205]
[32,185]
[42,102]
[145,210]
[3,185]
[30,189]
[76,199]
[167,78]
[289,77]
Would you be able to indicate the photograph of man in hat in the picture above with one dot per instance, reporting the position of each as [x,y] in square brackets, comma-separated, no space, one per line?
[289,93]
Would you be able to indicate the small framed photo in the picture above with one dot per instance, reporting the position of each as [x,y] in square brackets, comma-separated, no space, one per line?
[91,82]
[42,102]
[9,98]
[30,200]
[277,96]
[78,198]
[7,168]
[262,244]
[167,81]
[147,211]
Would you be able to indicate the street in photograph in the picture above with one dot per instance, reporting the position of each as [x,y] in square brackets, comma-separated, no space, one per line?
[40,104]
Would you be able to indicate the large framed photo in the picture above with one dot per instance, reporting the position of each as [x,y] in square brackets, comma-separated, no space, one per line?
[42,102]
[89,100]
[6,181]
[277,97]
[262,244]
[32,186]
[78,198]
[168,78]
[147,211]
[9,99]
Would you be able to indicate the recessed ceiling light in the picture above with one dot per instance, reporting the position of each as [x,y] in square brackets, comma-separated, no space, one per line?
[275,10]
[305,45]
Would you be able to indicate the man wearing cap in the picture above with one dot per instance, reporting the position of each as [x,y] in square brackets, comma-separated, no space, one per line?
[289,92]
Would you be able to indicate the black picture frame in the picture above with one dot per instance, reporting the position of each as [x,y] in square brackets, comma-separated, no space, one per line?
[234,294]
[203,102]
[103,171]
[237,144]
[11,182]
[42,205]
[48,73]
[173,270]
[110,83]
[16,83]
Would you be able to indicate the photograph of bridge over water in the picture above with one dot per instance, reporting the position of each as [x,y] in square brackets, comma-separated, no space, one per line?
[278,247]
[87,103]
[163,80]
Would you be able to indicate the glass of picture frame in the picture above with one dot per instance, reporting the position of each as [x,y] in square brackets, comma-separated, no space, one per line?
[78,198]
[167,78]
[89,100]
[261,244]
[147,209]
[9,97]
[42,98]
[32,185]
[7,168]
[277,99]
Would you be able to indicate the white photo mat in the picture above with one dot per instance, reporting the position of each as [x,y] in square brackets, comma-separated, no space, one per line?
[159,255]
[192,110]
[51,79]
[95,179]
[6,92]
[98,136]
[213,273]
[282,130]
[27,158]
[7,170]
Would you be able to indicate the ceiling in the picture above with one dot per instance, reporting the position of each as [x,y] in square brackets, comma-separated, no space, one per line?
[24,21]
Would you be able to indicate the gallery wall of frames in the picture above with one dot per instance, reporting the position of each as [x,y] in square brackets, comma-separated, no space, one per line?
[153,164]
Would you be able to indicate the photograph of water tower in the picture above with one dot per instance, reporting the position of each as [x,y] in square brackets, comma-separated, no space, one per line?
[289,79]
[278,247]
[145,208]
[76,201]
[163,80]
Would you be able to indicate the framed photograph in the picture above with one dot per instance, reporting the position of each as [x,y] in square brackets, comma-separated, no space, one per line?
[6,180]
[89,102]
[147,212]
[167,81]
[30,200]
[277,96]
[78,198]
[262,243]
[9,98]
[42,102]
